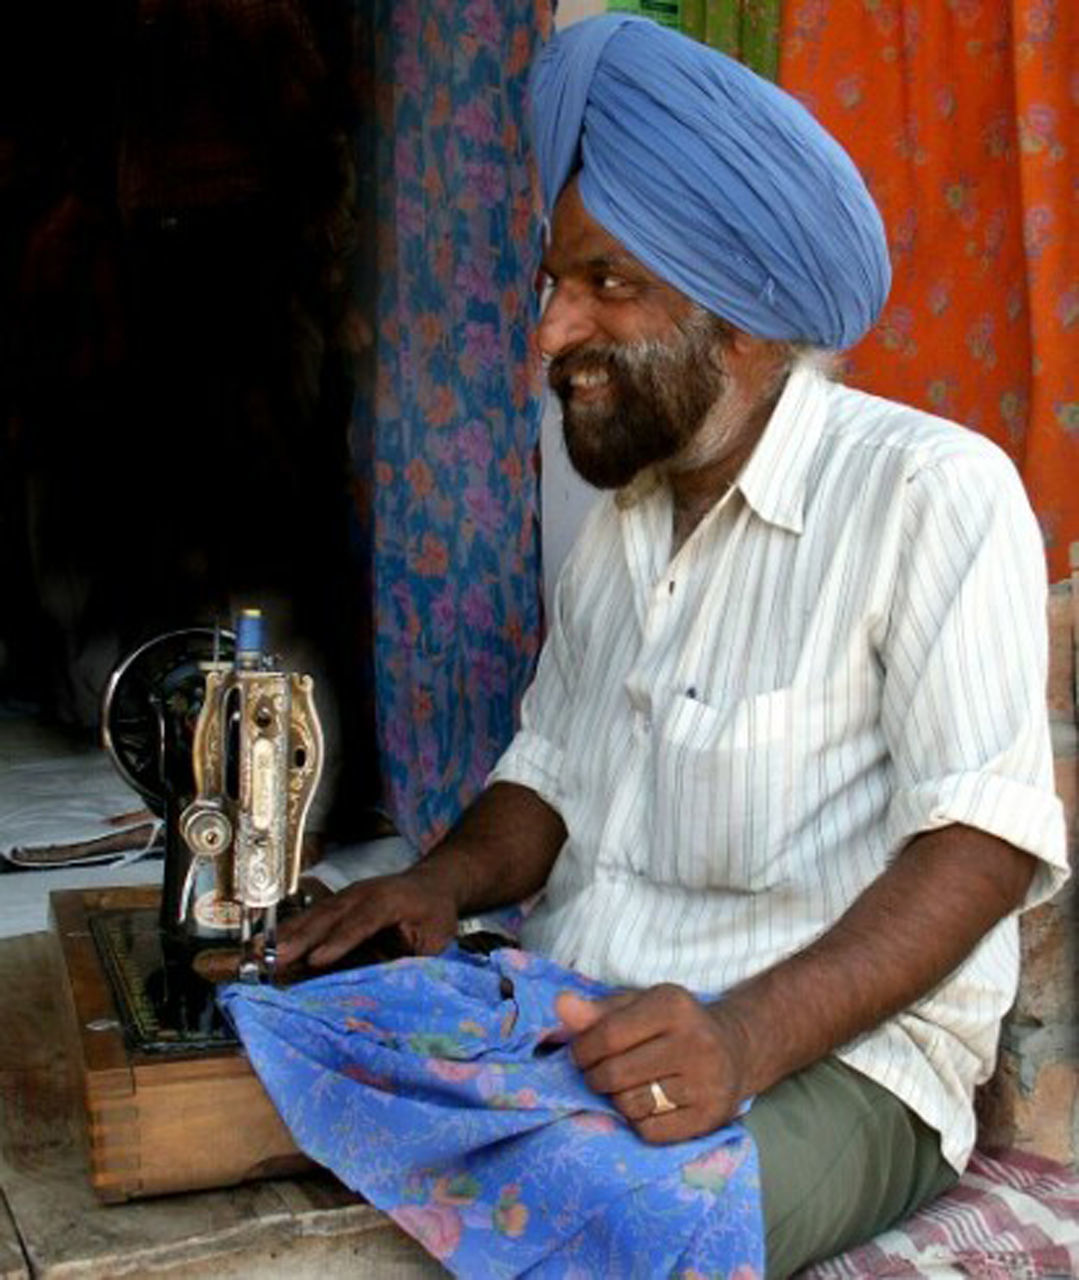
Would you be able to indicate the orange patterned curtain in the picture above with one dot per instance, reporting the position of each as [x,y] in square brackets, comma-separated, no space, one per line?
[964,117]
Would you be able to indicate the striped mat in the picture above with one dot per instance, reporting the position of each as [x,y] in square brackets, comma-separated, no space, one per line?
[1012,1216]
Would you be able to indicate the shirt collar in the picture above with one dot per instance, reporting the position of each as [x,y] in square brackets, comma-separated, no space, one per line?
[774,479]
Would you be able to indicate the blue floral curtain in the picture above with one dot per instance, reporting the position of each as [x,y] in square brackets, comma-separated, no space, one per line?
[446,426]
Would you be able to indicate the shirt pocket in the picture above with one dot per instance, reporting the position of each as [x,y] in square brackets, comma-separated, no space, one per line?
[725,802]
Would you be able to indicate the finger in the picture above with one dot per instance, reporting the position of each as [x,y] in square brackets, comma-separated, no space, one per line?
[347,934]
[578,1013]
[423,938]
[639,1103]
[674,1126]
[380,907]
[693,1116]
[690,1120]
[301,934]
[634,1068]
[632,1022]
[334,927]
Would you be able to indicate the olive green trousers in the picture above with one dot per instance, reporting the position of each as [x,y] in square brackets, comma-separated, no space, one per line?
[841,1160]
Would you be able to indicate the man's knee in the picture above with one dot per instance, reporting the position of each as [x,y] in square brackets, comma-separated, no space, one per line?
[841,1160]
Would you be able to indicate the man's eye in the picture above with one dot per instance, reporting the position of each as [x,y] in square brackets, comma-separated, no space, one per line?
[609,282]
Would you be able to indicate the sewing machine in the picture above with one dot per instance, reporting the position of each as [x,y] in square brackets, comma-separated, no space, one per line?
[225,748]
[256,757]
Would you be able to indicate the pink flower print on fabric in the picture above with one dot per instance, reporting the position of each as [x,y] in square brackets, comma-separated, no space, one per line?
[436,1226]
[464,1117]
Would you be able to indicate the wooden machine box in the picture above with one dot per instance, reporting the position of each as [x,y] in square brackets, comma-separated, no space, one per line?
[170,1118]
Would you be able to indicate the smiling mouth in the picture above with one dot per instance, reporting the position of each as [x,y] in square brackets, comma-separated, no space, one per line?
[587,385]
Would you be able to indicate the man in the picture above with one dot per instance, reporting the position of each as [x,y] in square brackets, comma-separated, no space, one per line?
[787,739]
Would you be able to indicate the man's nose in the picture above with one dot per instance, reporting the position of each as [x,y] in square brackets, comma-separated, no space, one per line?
[567,319]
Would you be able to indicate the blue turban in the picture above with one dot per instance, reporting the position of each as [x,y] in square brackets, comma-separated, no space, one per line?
[717,180]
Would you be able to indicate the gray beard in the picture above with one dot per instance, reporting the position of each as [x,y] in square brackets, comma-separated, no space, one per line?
[661,394]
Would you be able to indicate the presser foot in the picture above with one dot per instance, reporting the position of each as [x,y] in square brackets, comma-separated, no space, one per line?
[258,962]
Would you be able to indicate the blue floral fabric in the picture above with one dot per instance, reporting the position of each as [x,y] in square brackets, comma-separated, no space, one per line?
[446,428]
[443,1091]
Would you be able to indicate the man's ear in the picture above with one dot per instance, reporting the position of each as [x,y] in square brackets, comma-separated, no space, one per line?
[723,336]
[747,346]
[759,366]
[738,352]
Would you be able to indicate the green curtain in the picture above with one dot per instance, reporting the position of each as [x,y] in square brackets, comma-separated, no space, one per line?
[746,29]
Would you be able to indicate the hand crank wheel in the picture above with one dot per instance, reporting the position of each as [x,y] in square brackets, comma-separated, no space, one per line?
[150,706]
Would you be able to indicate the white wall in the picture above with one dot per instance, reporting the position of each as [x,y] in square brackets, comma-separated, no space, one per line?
[564,496]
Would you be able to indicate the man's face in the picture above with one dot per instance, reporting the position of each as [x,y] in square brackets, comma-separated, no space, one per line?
[633,361]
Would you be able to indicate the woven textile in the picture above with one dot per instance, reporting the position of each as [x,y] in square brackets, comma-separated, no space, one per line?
[1011,1217]
[964,119]
[442,1090]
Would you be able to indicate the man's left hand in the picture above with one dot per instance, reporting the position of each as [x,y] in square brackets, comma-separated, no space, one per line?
[662,1035]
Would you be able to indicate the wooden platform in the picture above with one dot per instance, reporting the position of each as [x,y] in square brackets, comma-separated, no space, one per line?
[53,1225]
[154,1124]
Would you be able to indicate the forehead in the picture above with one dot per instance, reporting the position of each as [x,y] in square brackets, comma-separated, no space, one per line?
[579,243]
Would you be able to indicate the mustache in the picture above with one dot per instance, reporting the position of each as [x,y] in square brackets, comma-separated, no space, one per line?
[629,360]
[620,361]
[562,368]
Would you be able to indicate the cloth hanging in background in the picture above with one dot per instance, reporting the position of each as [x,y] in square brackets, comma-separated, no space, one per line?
[446,427]
[746,29]
[442,1090]
[964,119]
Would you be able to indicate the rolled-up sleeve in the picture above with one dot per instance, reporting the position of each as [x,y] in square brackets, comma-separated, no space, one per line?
[964,708]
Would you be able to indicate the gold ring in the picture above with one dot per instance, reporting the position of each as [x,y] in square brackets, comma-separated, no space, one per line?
[661,1104]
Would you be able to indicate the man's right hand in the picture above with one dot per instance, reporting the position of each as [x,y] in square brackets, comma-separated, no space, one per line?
[419,909]
[501,851]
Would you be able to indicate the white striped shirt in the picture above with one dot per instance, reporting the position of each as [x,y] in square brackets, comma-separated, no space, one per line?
[850,649]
